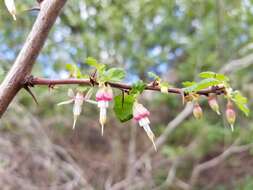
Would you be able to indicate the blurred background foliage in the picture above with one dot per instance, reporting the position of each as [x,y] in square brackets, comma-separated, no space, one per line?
[176,39]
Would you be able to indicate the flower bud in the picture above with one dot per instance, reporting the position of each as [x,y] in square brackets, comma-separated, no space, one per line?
[197,111]
[212,101]
[230,115]
[141,114]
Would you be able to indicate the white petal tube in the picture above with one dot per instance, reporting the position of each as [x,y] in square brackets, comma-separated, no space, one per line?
[150,134]
[102,118]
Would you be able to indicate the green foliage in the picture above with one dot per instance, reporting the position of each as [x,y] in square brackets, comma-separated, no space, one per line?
[93,62]
[113,75]
[138,88]
[153,76]
[241,102]
[74,71]
[205,83]
[213,75]
[123,107]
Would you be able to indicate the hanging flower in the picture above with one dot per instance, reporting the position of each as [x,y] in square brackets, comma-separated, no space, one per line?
[197,111]
[141,114]
[103,97]
[230,114]
[212,101]
[11,7]
[78,100]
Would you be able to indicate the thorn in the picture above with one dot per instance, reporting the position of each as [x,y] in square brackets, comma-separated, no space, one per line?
[31,93]
[33,9]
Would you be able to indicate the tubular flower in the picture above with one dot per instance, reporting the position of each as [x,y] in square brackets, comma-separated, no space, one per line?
[230,115]
[197,111]
[212,101]
[141,114]
[11,7]
[103,97]
[77,99]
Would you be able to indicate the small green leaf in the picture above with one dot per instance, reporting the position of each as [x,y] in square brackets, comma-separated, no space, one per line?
[74,71]
[93,62]
[241,102]
[153,76]
[138,88]
[188,83]
[124,112]
[113,75]
[202,85]
[213,75]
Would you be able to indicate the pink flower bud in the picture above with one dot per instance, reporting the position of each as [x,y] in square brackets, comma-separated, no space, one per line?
[212,101]
[197,111]
[104,94]
[140,114]
[230,114]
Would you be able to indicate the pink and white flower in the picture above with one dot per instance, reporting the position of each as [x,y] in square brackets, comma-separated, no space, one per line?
[141,115]
[78,100]
[103,97]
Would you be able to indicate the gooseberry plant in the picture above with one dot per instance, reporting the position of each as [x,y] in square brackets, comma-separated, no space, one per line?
[127,104]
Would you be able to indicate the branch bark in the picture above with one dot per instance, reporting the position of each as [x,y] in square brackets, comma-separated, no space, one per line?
[52,82]
[22,67]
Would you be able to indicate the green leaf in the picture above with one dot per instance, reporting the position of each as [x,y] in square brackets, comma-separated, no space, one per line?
[138,88]
[74,71]
[153,76]
[202,85]
[113,75]
[93,62]
[124,109]
[213,75]
[188,83]
[241,102]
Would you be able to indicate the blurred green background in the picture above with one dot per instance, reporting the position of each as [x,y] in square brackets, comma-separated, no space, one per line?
[176,39]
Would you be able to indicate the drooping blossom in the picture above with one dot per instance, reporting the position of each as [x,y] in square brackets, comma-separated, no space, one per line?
[103,96]
[212,101]
[78,100]
[11,7]
[141,114]
[197,111]
[230,114]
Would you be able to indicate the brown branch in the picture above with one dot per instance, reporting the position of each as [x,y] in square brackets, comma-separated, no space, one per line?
[52,82]
[30,51]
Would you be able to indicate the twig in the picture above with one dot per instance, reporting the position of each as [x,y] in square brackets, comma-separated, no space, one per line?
[42,81]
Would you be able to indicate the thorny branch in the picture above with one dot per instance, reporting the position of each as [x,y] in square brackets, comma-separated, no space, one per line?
[33,81]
